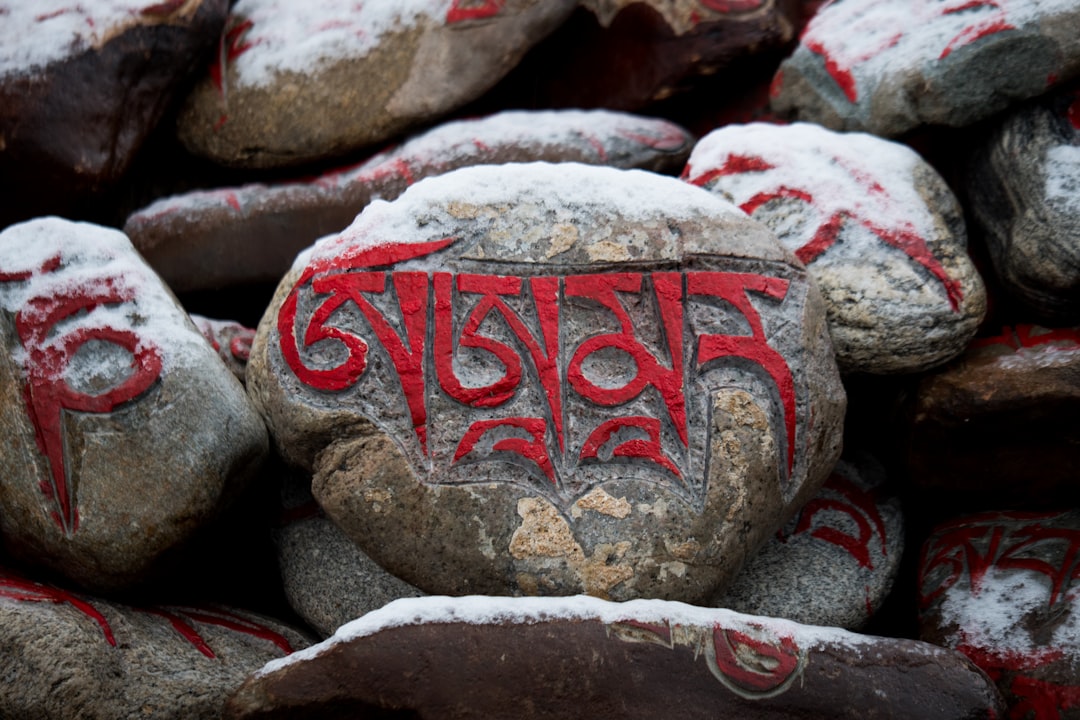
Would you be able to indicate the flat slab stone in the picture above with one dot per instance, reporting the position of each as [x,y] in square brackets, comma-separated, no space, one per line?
[1024,191]
[121,431]
[998,426]
[486,657]
[234,236]
[888,66]
[552,379]
[877,227]
[82,85]
[1001,588]
[835,562]
[70,655]
[296,83]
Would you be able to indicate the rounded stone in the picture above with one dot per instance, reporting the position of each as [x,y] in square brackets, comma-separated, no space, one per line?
[553,379]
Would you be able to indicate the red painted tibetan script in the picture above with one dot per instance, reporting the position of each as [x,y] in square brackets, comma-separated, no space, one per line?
[530,339]
[50,347]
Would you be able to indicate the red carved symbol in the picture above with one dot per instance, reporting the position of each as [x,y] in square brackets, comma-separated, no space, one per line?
[875,33]
[233,44]
[532,449]
[735,288]
[1010,669]
[1029,336]
[240,345]
[49,354]
[650,449]
[648,369]
[903,238]
[859,506]
[181,620]
[666,138]
[24,590]
[732,6]
[754,666]
[473,10]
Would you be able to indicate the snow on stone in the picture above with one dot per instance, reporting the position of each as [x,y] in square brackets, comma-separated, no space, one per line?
[1063,178]
[632,194]
[34,33]
[868,40]
[290,36]
[486,610]
[93,259]
[864,176]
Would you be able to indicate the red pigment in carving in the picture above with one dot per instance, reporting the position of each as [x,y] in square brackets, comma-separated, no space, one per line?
[1031,697]
[668,139]
[236,623]
[650,449]
[231,46]
[47,393]
[860,507]
[732,6]
[986,27]
[240,345]
[533,450]
[473,10]
[757,666]
[24,590]
[1023,336]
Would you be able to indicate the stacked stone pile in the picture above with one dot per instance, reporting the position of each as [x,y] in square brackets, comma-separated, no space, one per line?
[522,358]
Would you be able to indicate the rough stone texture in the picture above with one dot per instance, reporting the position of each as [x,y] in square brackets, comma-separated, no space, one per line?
[999,426]
[878,229]
[477,432]
[297,82]
[328,579]
[231,341]
[626,54]
[67,655]
[1024,192]
[121,432]
[233,236]
[888,66]
[582,657]
[1001,588]
[72,119]
[834,563]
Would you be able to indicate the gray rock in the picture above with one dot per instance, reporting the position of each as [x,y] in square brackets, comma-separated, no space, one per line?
[328,579]
[1024,192]
[887,66]
[878,229]
[835,562]
[66,655]
[233,236]
[122,432]
[487,377]
[490,657]
[231,341]
[296,83]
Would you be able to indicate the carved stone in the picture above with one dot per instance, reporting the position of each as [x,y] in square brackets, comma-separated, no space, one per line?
[553,379]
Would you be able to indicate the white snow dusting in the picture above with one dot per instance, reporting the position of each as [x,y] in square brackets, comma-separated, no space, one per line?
[1063,177]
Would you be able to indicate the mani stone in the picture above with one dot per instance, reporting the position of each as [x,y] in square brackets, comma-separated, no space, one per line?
[999,426]
[626,54]
[553,379]
[1001,588]
[233,236]
[834,563]
[878,229]
[121,432]
[230,340]
[297,82]
[82,84]
[67,655]
[1024,191]
[328,580]
[889,66]
[497,657]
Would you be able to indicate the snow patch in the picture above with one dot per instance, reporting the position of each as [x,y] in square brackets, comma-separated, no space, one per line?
[1063,178]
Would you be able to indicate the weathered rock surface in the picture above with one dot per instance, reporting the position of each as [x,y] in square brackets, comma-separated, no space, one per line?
[231,341]
[67,655]
[878,229]
[83,84]
[1001,588]
[888,66]
[999,426]
[1024,191]
[328,579]
[122,432]
[477,657]
[834,563]
[487,377]
[296,83]
[233,236]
